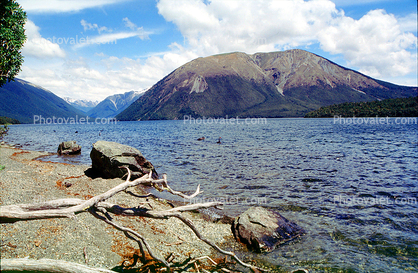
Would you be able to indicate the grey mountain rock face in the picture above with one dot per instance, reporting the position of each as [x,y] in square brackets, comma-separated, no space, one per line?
[113,105]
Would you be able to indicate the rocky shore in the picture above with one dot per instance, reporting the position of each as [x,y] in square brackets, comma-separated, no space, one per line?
[85,239]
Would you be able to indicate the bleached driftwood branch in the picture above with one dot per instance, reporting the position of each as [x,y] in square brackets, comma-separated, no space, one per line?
[47,265]
[67,208]
[64,208]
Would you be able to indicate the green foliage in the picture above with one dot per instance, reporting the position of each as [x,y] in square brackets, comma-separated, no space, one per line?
[6,120]
[2,167]
[3,130]
[404,107]
[12,38]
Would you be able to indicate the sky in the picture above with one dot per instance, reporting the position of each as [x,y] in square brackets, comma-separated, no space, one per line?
[91,49]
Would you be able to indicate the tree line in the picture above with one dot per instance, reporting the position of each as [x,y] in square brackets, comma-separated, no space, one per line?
[402,107]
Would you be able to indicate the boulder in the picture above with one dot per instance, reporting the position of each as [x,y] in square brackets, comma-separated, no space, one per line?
[69,148]
[262,230]
[107,157]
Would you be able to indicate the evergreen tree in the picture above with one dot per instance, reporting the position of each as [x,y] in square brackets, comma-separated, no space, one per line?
[12,38]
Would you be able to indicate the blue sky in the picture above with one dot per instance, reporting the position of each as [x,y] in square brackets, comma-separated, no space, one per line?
[90,49]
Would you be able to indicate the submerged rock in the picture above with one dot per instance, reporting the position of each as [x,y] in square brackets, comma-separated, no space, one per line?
[107,157]
[262,230]
[69,148]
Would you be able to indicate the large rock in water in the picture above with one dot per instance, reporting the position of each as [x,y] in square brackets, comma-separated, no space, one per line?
[262,230]
[107,157]
[69,148]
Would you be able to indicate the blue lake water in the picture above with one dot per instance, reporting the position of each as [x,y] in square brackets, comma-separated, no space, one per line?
[352,187]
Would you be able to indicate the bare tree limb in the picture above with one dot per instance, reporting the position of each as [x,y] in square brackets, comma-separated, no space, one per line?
[190,224]
[67,208]
[107,219]
[170,190]
[47,265]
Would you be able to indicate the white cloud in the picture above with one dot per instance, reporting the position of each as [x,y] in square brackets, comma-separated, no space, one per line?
[376,44]
[77,79]
[408,23]
[129,24]
[54,6]
[89,26]
[38,47]
[110,38]
[357,2]
[249,26]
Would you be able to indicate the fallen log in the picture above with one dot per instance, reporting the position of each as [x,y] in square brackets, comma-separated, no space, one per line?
[47,265]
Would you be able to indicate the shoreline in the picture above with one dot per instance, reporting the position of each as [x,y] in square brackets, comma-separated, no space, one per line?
[26,179]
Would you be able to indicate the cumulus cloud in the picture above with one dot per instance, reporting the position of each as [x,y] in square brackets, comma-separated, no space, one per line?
[77,79]
[38,47]
[249,26]
[377,44]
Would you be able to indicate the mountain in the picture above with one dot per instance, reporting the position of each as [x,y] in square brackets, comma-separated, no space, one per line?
[83,105]
[23,101]
[277,84]
[113,105]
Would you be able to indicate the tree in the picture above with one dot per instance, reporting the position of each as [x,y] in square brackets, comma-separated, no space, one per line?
[12,38]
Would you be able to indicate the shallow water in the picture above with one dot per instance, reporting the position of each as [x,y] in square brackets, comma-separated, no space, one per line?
[353,188]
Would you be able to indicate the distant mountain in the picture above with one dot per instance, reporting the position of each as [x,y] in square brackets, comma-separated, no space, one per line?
[277,84]
[83,105]
[113,105]
[23,100]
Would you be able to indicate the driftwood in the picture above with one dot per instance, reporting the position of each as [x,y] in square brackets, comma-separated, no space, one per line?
[47,265]
[99,208]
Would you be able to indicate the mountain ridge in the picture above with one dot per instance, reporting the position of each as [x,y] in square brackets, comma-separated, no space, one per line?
[276,84]
[114,104]
[81,104]
[23,100]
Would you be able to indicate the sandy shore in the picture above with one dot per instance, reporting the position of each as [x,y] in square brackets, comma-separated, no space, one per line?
[27,180]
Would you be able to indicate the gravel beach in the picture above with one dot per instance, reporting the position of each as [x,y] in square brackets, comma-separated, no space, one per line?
[24,179]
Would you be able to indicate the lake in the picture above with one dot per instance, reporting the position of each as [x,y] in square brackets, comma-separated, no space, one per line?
[350,183]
